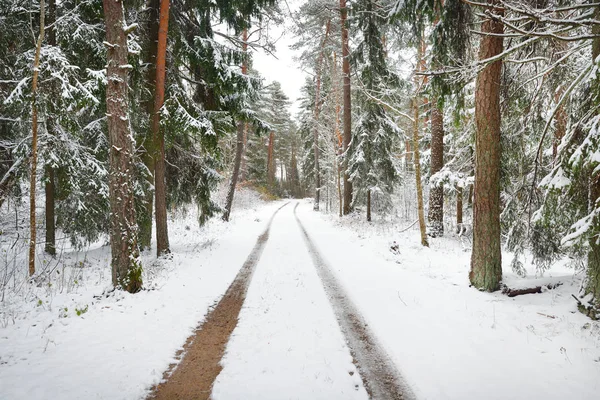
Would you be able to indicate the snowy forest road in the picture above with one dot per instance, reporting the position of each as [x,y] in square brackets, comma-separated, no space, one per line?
[194,376]
[289,330]
[380,376]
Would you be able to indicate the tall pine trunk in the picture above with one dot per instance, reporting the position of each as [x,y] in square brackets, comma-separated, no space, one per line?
[486,258]
[49,186]
[236,170]
[160,184]
[436,192]
[415,144]
[317,112]
[416,152]
[146,145]
[240,141]
[593,260]
[34,140]
[347,106]
[126,266]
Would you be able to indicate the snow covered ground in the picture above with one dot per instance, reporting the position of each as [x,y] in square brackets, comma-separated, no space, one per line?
[451,341]
[448,340]
[122,344]
[287,344]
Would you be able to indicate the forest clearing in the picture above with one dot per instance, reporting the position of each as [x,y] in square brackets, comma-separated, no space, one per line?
[299,199]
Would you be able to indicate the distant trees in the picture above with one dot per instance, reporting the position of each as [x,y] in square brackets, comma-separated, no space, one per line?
[273,144]
[505,126]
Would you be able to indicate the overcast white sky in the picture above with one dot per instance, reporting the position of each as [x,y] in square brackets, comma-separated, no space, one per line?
[283,68]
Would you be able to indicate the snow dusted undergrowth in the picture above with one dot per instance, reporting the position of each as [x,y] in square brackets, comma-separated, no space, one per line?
[448,340]
[122,344]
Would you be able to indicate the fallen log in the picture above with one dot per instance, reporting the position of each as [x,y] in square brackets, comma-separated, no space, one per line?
[537,289]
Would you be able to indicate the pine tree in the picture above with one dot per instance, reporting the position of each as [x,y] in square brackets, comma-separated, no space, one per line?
[34,141]
[486,257]
[347,96]
[371,161]
[162,233]
[126,266]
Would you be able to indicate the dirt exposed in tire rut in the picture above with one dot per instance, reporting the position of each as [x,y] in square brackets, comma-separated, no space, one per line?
[379,374]
[194,376]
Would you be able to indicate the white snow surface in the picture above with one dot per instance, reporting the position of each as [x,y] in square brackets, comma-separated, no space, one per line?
[448,340]
[120,347]
[287,344]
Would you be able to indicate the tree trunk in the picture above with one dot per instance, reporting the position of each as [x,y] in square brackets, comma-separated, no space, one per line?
[160,184]
[240,143]
[347,106]
[559,48]
[34,140]
[126,266]
[486,258]
[236,169]
[417,162]
[49,187]
[416,152]
[338,140]
[593,259]
[316,128]
[271,161]
[369,205]
[147,148]
[436,192]
[459,208]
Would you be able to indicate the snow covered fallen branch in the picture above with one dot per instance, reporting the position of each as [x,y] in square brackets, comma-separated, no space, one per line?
[537,289]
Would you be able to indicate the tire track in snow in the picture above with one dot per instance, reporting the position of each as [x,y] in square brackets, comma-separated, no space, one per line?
[379,374]
[194,376]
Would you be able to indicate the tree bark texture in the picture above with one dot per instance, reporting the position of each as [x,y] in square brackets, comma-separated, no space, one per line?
[486,257]
[593,259]
[34,141]
[146,146]
[240,143]
[317,111]
[338,140]
[126,266]
[415,145]
[347,105]
[436,192]
[417,162]
[160,184]
[236,170]
[49,186]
